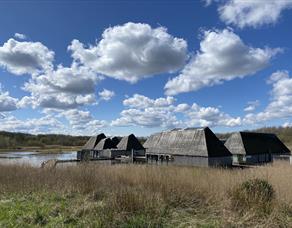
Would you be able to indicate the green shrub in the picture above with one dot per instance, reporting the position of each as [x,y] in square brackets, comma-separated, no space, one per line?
[254,194]
[39,218]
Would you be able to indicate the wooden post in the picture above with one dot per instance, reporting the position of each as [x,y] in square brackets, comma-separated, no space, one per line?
[132,154]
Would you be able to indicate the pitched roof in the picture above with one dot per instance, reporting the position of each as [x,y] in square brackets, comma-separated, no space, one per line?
[115,141]
[248,143]
[191,141]
[93,141]
[130,142]
[105,143]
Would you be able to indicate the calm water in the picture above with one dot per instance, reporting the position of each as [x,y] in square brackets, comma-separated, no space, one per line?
[33,158]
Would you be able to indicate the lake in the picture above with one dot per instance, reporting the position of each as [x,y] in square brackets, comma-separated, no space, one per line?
[34,158]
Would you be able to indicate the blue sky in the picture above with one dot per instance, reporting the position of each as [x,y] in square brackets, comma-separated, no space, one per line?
[120,67]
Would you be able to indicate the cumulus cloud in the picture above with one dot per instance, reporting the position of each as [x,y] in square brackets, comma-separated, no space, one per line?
[83,121]
[106,94]
[132,51]
[222,57]
[7,103]
[78,123]
[21,57]
[46,124]
[182,108]
[281,104]
[63,88]
[281,100]
[147,112]
[210,116]
[163,112]
[253,13]
[20,36]
[141,101]
[149,117]
[251,106]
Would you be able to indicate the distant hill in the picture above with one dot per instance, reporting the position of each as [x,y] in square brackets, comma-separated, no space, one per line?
[284,133]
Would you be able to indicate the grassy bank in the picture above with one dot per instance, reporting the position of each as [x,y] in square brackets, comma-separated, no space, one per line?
[140,196]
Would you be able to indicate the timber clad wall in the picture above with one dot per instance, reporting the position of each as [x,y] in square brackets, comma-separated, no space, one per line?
[113,153]
[199,161]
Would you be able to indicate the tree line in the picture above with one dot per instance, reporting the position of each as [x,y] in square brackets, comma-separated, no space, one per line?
[284,133]
[18,140]
[13,140]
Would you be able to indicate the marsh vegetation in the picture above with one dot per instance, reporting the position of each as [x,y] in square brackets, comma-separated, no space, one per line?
[146,196]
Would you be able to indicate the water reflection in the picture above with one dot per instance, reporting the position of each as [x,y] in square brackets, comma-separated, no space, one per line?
[33,158]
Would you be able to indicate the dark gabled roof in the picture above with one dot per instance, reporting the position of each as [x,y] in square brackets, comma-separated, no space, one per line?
[104,144]
[130,142]
[115,141]
[249,143]
[215,147]
[191,142]
[93,141]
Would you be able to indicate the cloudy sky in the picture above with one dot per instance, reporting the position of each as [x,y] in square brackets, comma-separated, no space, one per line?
[141,66]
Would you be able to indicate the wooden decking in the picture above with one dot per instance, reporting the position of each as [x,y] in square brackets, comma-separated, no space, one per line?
[122,159]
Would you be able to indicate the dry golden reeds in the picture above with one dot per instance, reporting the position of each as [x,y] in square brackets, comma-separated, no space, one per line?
[155,189]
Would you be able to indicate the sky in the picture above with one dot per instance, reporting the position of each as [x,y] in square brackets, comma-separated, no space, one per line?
[142,66]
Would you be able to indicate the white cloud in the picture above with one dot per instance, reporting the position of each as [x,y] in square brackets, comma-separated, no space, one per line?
[287,124]
[148,112]
[222,57]
[141,101]
[106,94]
[46,124]
[210,116]
[7,103]
[252,13]
[132,51]
[278,76]
[20,57]
[63,88]
[162,112]
[280,106]
[207,2]
[20,36]
[251,106]
[82,121]
[182,108]
[150,117]
[79,123]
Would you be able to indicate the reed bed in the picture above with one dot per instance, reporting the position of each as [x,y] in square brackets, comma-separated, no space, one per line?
[139,196]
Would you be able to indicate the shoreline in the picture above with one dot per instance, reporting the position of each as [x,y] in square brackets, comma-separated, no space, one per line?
[49,149]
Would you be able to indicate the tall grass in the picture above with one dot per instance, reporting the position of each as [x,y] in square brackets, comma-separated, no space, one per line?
[157,194]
